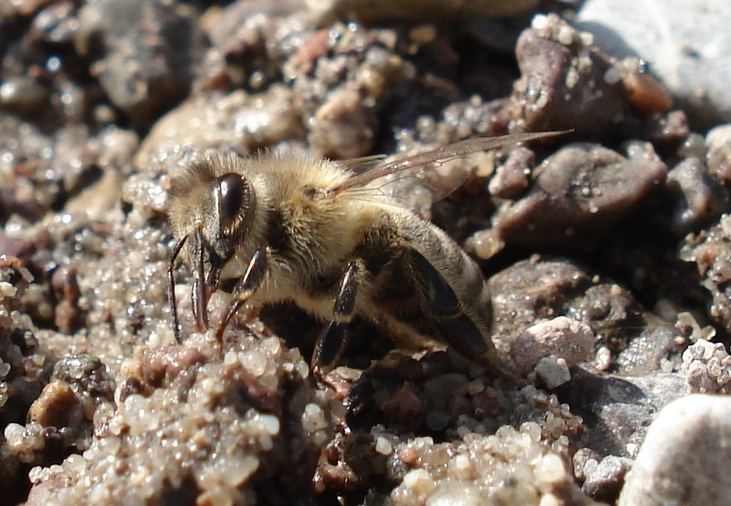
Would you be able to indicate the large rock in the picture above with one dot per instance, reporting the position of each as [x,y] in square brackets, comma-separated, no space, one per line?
[685,42]
[685,458]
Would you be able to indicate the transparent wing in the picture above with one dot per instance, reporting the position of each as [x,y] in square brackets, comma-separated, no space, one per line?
[360,165]
[413,179]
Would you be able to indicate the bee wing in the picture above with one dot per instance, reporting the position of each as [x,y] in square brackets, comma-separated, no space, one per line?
[373,172]
[361,165]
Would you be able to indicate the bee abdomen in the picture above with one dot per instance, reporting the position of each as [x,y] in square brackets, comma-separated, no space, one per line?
[451,319]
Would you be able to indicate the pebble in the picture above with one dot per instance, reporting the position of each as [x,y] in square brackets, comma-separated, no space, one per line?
[582,191]
[585,461]
[605,481]
[565,339]
[511,178]
[551,469]
[685,43]
[343,127]
[562,83]
[718,141]
[143,49]
[685,458]
[553,371]
[698,198]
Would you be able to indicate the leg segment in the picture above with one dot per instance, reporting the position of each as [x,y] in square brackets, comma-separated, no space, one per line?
[171,286]
[198,300]
[331,342]
[248,284]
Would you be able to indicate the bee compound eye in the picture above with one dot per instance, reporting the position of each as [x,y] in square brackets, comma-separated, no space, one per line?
[232,196]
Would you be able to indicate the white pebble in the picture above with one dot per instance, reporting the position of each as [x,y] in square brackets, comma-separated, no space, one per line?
[255,362]
[553,371]
[539,22]
[6,289]
[532,430]
[549,500]
[420,481]
[313,418]
[550,469]
[269,424]
[565,35]
[383,446]
[239,470]
[14,434]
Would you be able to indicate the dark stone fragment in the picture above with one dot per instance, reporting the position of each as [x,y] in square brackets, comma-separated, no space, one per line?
[581,192]
[549,100]
[144,52]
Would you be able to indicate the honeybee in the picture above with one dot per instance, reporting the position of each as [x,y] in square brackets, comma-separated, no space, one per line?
[321,233]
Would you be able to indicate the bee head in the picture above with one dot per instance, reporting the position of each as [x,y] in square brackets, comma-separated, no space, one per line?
[211,212]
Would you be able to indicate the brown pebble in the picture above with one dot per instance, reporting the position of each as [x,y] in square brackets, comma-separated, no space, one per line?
[511,178]
[646,95]
[55,406]
[487,403]
[580,192]
[406,407]
[343,127]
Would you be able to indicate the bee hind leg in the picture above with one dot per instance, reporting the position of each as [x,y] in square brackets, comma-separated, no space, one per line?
[246,286]
[333,338]
[456,328]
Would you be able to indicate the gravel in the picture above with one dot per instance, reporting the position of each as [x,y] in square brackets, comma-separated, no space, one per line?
[606,249]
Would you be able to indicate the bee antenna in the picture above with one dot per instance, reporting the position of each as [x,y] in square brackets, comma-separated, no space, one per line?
[171,286]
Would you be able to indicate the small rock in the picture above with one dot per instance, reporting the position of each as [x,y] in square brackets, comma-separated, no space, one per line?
[585,461]
[144,52]
[553,371]
[531,290]
[563,83]
[647,349]
[343,127]
[580,192]
[698,197]
[65,286]
[718,141]
[237,121]
[710,250]
[511,178]
[57,406]
[684,458]
[405,407]
[561,337]
[606,480]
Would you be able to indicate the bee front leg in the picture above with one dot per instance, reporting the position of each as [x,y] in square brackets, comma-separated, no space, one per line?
[333,338]
[247,285]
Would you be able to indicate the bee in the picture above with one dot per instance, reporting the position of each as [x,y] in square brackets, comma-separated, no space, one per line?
[323,234]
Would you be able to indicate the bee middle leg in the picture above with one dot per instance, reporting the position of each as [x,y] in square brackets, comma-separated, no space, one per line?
[246,286]
[333,338]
